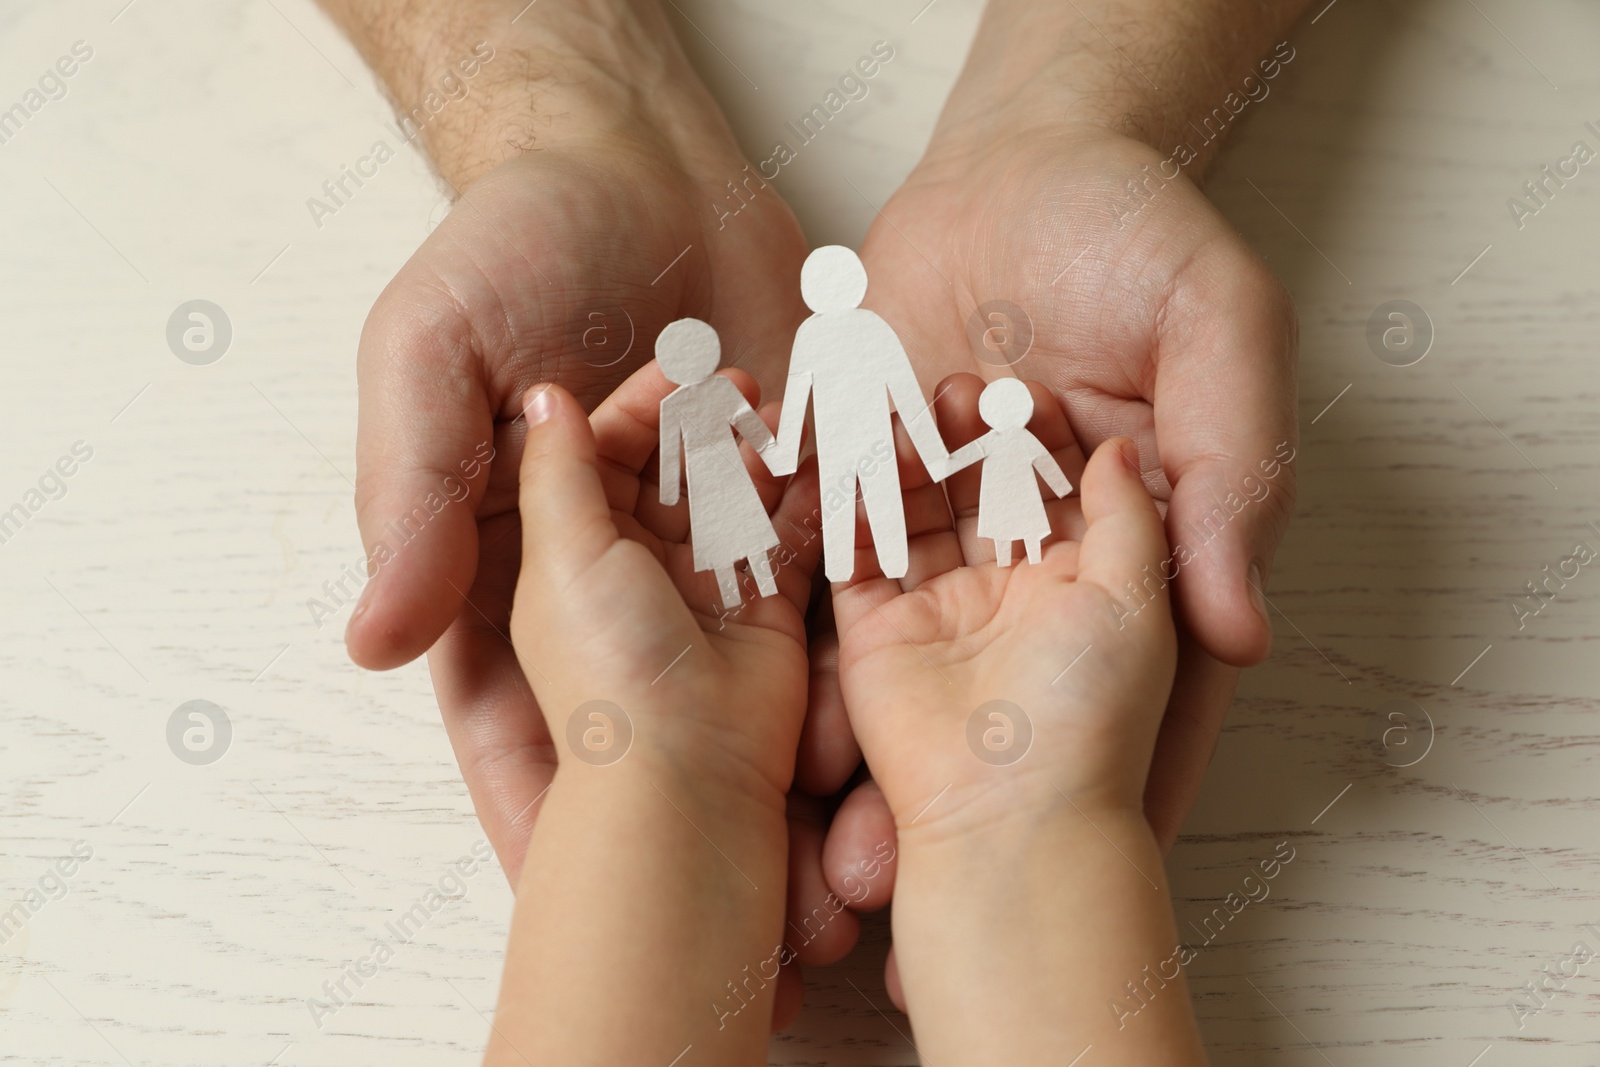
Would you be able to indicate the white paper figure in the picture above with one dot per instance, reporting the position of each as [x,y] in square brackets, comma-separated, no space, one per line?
[727,521]
[1009,506]
[849,365]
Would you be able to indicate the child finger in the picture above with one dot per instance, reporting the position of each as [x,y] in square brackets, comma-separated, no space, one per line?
[1066,514]
[1125,541]
[566,519]
[927,511]
[932,547]
[627,423]
[671,522]
[913,473]
[955,404]
[796,521]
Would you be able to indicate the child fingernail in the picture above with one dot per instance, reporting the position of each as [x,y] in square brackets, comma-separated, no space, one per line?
[538,404]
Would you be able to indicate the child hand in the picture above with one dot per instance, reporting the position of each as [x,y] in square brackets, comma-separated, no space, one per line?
[608,605]
[1009,715]
[977,692]
[655,874]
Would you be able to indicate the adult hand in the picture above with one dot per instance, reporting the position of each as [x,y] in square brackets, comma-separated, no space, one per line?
[1165,328]
[1146,313]
[593,172]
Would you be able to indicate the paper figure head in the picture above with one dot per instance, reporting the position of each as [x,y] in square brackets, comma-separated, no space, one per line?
[688,351]
[1006,404]
[833,279]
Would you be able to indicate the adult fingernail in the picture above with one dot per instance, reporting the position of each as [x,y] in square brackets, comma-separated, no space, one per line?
[538,404]
[1258,593]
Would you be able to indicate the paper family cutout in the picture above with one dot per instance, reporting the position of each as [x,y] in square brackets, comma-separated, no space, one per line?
[1009,506]
[849,368]
[727,520]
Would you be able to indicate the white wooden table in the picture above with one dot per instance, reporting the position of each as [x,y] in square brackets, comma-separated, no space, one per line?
[174,564]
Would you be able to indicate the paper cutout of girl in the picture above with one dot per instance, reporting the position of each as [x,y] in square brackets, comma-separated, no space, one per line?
[1009,506]
[727,520]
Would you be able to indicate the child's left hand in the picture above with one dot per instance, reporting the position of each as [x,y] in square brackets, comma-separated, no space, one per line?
[1009,715]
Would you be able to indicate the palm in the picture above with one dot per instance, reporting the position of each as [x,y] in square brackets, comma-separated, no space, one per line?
[963,675]
[558,260]
[1108,307]
[956,642]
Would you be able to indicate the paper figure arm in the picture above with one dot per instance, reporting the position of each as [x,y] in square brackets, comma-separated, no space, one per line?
[671,454]
[749,424]
[966,455]
[916,415]
[783,454]
[1050,470]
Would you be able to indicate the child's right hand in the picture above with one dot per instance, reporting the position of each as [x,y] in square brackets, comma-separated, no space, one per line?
[1083,668]
[1009,715]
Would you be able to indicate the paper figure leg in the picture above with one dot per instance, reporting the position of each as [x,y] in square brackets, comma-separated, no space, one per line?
[1032,545]
[1002,553]
[766,581]
[839,528]
[886,514]
[728,584]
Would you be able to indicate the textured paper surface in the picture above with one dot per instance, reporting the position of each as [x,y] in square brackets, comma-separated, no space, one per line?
[849,365]
[1009,506]
[727,520]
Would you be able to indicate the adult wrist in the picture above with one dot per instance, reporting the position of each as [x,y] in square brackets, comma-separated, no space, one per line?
[1142,69]
[480,82]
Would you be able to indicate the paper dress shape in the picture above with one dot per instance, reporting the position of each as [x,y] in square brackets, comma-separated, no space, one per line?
[1009,506]
[727,520]
[848,364]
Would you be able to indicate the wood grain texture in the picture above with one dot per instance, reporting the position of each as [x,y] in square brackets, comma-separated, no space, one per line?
[177,565]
